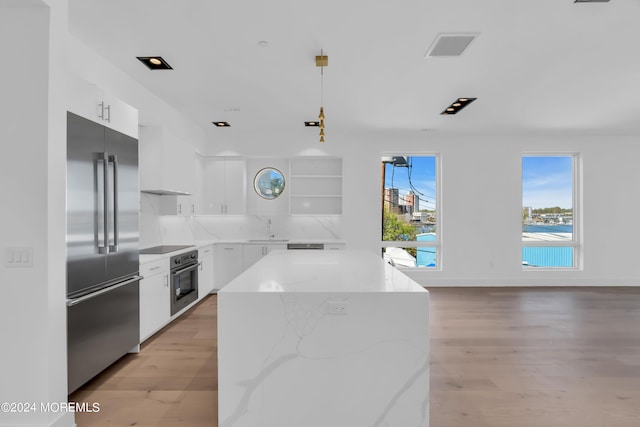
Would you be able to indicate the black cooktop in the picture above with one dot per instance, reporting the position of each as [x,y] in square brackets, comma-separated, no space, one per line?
[163,249]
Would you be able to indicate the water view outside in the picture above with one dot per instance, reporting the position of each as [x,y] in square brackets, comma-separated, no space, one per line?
[547,213]
[409,211]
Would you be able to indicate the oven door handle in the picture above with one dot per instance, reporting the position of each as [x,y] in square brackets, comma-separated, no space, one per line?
[184,270]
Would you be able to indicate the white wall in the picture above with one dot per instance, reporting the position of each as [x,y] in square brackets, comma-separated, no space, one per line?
[482,200]
[32,307]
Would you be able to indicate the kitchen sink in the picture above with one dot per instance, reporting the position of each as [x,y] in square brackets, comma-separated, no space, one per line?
[268,240]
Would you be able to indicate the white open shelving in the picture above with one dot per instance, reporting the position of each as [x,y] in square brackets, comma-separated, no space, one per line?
[316,185]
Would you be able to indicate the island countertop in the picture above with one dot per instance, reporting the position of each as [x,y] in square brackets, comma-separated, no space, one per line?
[323,338]
[322,271]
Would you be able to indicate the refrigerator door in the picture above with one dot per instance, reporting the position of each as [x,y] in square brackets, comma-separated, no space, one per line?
[101,328]
[86,261]
[124,205]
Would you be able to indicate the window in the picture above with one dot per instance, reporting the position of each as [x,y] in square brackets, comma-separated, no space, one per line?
[549,217]
[410,228]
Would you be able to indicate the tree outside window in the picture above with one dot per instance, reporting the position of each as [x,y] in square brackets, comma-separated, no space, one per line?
[409,210]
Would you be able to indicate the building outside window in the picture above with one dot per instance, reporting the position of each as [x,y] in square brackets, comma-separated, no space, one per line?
[549,216]
[410,227]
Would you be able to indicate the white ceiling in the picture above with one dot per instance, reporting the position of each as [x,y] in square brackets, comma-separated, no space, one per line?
[536,66]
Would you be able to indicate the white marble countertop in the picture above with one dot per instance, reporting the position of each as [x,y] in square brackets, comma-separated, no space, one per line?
[322,271]
[147,258]
[280,241]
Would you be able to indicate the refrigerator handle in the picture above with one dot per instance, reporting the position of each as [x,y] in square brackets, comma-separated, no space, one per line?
[104,248]
[75,301]
[116,233]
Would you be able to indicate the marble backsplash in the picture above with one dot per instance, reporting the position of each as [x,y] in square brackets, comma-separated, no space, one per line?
[156,229]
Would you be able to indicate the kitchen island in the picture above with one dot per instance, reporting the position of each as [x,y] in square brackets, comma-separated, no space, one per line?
[323,338]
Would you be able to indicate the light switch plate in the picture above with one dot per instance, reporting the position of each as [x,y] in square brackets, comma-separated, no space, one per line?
[19,257]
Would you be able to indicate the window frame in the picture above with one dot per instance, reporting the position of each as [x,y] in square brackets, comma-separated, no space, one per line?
[437,243]
[576,235]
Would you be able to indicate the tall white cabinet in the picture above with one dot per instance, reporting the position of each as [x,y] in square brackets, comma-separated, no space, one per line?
[224,186]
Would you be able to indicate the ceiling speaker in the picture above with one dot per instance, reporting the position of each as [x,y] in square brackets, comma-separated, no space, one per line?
[450,44]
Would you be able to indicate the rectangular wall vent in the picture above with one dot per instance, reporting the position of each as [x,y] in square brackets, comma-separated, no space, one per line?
[450,45]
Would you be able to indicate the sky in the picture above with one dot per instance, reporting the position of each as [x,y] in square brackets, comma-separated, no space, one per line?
[546,180]
[423,178]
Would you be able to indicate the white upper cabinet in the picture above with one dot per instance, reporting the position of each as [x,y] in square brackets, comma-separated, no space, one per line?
[167,163]
[91,102]
[316,185]
[224,186]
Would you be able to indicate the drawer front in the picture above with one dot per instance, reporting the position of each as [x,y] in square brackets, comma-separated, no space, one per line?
[155,267]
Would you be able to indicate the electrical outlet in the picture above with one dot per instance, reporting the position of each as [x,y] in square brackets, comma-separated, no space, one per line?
[337,307]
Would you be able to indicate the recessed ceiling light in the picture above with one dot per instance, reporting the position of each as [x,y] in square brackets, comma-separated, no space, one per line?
[221,124]
[591,1]
[154,62]
[458,105]
[311,124]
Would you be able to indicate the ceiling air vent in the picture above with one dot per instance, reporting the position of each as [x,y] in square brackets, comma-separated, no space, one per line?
[450,45]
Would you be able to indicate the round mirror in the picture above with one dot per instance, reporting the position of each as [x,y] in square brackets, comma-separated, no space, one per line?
[269,183]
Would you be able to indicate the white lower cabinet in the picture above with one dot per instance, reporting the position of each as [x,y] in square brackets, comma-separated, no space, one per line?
[334,246]
[231,259]
[252,252]
[228,263]
[205,276]
[154,297]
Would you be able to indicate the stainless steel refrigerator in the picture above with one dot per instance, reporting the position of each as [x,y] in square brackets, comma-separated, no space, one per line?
[103,320]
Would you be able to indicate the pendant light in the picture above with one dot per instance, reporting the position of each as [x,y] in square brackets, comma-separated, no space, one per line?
[322,61]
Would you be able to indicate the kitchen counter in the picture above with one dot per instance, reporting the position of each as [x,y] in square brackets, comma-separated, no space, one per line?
[147,258]
[319,338]
[322,271]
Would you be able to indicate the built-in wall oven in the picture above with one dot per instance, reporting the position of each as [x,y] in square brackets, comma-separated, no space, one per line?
[184,280]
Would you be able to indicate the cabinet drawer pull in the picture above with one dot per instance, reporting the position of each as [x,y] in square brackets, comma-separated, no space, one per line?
[154,268]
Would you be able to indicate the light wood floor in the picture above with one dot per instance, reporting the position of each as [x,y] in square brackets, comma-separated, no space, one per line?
[500,357]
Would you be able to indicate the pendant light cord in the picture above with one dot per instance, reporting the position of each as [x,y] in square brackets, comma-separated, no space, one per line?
[321,79]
